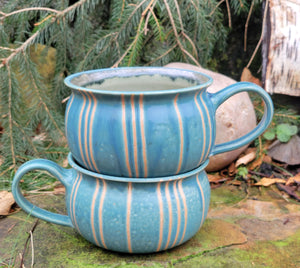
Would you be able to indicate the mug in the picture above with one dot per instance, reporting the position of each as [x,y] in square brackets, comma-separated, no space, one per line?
[149,121]
[132,215]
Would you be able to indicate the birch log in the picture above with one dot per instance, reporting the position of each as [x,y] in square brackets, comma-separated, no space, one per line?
[281,48]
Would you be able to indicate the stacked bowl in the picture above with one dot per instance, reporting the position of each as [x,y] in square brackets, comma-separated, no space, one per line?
[139,138]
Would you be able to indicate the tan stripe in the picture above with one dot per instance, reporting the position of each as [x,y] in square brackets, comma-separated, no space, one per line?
[93,212]
[74,201]
[86,131]
[128,216]
[91,132]
[142,122]
[209,125]
[71,196]
[203,200]
[161,216]
[79,130]
[203,128]
[100,214]
[180,132]
[178,212]
[170,214]
[184,208]
[125,136]
[134,137]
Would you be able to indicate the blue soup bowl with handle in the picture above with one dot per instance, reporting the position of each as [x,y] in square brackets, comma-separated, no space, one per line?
[132,215]
[149,121]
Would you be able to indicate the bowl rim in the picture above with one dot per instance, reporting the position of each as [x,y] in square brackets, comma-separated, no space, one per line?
[140,70]
[180,176]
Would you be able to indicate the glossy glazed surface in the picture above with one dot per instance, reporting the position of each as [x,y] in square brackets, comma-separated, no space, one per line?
[123,214]
[160,122]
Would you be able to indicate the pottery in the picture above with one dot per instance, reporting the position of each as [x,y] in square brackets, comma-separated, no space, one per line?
[132,215]
[149,121]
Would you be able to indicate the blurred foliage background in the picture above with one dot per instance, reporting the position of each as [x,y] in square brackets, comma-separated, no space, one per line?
[43,41]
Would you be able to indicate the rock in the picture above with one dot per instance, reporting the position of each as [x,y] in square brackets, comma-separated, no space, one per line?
[287,152]
[234,118]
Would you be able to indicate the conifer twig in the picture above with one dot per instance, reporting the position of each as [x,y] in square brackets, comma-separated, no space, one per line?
[215,8]
[12,147]
[261,36]
[185,52]
[5,15]
[229,13]
[246,25]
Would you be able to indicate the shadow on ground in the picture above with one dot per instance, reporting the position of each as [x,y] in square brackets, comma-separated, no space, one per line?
[258,229]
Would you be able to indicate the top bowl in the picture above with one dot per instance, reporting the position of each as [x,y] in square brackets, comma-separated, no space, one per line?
[147,121]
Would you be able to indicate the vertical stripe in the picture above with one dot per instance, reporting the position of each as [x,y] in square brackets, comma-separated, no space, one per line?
[74,202]
[101,213]
[170,214]
[91,132]
[178,212]
[209,125]
[184,209]
[180,132]
[125,135]
[79,130]
[142,123]
[128,217]
[134,137]
[202,198]
[203,128]
[86,131]
[161,216]
[68,111]
[93,212]
[71,196]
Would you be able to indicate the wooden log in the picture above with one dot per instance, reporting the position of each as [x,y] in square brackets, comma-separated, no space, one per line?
[281,48]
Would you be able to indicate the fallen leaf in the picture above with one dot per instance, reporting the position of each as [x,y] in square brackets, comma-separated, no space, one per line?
[269,181]
[6,201]
[59,189]
[248,77]
[245,159]
[295,179]
[231,169]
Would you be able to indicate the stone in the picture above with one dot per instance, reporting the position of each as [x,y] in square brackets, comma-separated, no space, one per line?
[234,118]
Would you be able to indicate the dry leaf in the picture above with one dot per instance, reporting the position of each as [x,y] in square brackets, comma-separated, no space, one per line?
[231,169]
[59,189]
[269,181]
[295,179]
[248,77]
[6,201]
[245,159]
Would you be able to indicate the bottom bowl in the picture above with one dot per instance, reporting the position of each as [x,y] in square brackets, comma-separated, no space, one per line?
[132,215]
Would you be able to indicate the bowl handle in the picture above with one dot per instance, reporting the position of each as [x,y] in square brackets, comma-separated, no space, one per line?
[219,97]
[63,175]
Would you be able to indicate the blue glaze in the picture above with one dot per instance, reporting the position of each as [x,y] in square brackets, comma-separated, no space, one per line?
[151,132]
[133,215]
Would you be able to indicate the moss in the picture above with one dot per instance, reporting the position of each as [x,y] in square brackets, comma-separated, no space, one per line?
[226,195]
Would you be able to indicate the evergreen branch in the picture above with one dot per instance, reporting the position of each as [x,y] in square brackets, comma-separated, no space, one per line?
[215,8]
[31,39]
[157,24]
[5,15]
[185,52]
[130,17]
[87,54]
[179,15]
[163,55]
[12,147]
[40,97]
[26,136]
